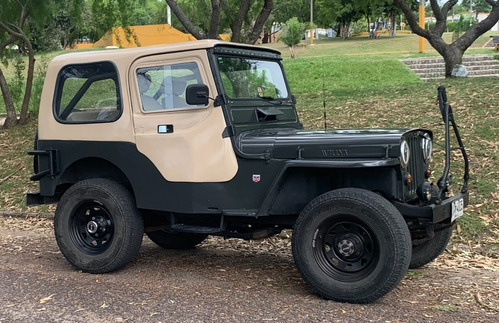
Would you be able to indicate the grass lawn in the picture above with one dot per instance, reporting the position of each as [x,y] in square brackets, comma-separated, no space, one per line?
[365,86]
[401,46]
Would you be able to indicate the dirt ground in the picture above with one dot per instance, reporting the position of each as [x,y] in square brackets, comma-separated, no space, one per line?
[231,281]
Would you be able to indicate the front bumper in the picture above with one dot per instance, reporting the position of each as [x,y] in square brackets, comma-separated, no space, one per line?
[449,208]
[436,213]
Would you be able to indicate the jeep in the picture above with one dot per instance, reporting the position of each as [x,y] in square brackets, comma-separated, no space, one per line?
[202,138]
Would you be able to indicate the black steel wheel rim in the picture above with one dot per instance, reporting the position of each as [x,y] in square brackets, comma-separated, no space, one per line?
[346,249]
[91,227]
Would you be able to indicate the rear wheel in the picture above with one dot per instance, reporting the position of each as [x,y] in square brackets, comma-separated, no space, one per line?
[169,239]
[426,252]
[351,245]
[97,226]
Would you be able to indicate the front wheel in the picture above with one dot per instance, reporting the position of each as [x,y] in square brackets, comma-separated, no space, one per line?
[427,251]
[351,245]
[97,226]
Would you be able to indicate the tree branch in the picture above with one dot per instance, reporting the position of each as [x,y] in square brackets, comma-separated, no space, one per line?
[447,6]
[24,13]
[260,21]
[9,104]
[238,21]
[478,29]
[6,43]
[438,14]
[190,27]
[441,15]
[412,19]
[9,31]
[213,31]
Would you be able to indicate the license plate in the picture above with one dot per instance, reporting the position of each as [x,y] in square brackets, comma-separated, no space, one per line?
[457,209]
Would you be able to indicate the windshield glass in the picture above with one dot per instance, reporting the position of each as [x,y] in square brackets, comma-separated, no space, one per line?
[244,77]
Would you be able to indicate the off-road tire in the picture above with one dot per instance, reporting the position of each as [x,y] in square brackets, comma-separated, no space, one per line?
[330,225]
[103,206]
[426,252]
[176,240]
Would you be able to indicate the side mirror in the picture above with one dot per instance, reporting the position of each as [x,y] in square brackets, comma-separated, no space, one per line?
[197,94]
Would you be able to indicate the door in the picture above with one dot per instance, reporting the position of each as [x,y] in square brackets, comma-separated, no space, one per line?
[185,142]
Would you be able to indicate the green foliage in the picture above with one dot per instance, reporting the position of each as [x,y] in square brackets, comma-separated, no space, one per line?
[199,13]
[110,13]
[36,92]
[100,16]
[10,13]
[292,32]
[332,12]
[462,25]
[477,5]
[46,40]
[16,86]
[353,16]
[284,10]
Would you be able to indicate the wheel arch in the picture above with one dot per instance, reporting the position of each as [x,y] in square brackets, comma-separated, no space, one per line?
[315,179]
[92,167]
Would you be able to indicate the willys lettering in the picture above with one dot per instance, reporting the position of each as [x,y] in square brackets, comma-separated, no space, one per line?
[334,153]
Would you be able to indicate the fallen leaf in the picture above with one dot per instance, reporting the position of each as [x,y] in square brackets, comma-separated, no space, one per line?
[46,299]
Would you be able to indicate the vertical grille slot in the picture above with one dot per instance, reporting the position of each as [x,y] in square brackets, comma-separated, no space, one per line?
[416,165]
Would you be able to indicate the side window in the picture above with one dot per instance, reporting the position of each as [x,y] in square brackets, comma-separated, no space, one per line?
[88,93]
[164,87]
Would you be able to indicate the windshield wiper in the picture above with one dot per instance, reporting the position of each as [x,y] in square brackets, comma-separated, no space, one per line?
[270,99]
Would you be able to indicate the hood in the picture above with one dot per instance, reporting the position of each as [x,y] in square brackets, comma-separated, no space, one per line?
[327,144]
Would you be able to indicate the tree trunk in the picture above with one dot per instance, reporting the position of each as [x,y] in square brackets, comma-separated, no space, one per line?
[452,53]
[259,22]
[11,118]
[23,116]
[238,21]
[16,32]
[266,38]
[213,32]
[292,51]
[394,19]
[452,57]
[190,27]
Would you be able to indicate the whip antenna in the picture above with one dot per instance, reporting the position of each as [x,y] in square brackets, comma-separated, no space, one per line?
[324,97]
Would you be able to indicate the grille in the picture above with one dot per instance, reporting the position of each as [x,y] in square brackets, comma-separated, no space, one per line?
[416,164]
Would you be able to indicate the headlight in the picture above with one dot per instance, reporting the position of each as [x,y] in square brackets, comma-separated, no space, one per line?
[427,148]
[405,154]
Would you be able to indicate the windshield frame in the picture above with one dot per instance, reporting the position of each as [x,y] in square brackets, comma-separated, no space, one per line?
[242,114]
[249,54]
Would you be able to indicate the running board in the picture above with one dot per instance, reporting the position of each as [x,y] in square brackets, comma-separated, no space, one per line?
[195,229]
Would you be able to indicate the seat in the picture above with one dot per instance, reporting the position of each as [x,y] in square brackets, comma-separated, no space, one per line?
[175,87]
[178,88]
[148,102]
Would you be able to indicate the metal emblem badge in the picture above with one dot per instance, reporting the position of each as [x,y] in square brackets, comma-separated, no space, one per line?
[256,178]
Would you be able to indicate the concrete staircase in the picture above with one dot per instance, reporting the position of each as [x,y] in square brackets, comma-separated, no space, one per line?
[432,68]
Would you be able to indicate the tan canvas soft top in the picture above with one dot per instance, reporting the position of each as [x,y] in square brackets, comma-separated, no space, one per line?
[130,54]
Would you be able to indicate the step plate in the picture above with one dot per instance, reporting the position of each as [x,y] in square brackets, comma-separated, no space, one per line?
[194,229]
